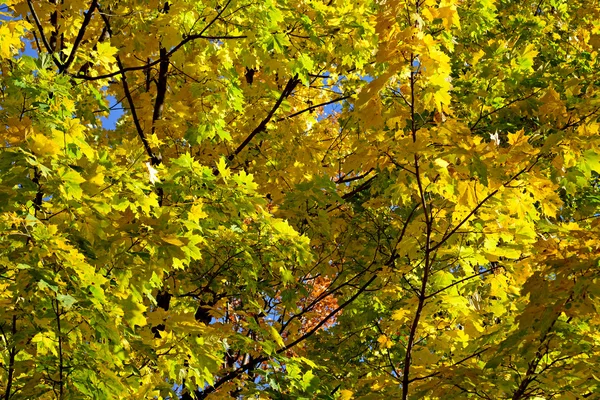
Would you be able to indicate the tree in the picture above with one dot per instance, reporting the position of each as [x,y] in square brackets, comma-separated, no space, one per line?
[309,199]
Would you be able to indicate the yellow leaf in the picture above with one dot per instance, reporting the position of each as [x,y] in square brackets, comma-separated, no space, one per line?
[46,342]
[449,16]
[284,228]
[134,312]
[517,137]
[44,146]
[467,194]
[197,213]
[223,170]
[400,315]
[276,336]
[346,394]
[425,356]
[10,37]
[175,241]
[385,342]
[105,53]
[97,179]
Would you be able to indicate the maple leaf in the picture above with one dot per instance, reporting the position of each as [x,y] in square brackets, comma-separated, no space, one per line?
[401,196]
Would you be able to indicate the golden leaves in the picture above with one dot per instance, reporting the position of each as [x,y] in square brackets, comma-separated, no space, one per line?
[105,55]
[385,342]
[224,172]
[10,37]
[43,145]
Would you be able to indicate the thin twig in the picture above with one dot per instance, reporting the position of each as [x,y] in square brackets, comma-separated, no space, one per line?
[289,88]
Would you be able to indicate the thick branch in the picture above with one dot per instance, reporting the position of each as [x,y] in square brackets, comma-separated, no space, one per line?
[365,185]
[161,87]
[154,159]
[38,24]
[428,251]
[39,195]
[79,38]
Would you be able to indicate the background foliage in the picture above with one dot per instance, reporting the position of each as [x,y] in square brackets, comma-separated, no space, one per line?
[302,199]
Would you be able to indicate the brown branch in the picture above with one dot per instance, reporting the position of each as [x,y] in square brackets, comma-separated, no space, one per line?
[420,378]
[482,115]
[348,282]
[11,359]
[153,158]
[461,281]
[289,88]
[531,375]
[425,278]
[202,394]
[580,120]
[215,18]
[315,107]
[79,38]
[186,39]
[365,185]
[39,195]
[354,178]
[428,230]
[61,382]
[41,31]
[321,297]
[54,43]
[331,314]
[161,87]
[155,62]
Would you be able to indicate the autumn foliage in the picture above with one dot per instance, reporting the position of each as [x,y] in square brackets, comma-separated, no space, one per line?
[299,199]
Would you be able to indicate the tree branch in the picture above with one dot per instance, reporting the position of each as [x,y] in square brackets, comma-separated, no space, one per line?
[79,38]
[161,87]
[363,186]
[153,158]
[202,394]
[482,115]
[481,203]
[11,359]
[61,383]
[354,178]
[41,31]
[461,281]
[186,39]
[315,107]
[289,88]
